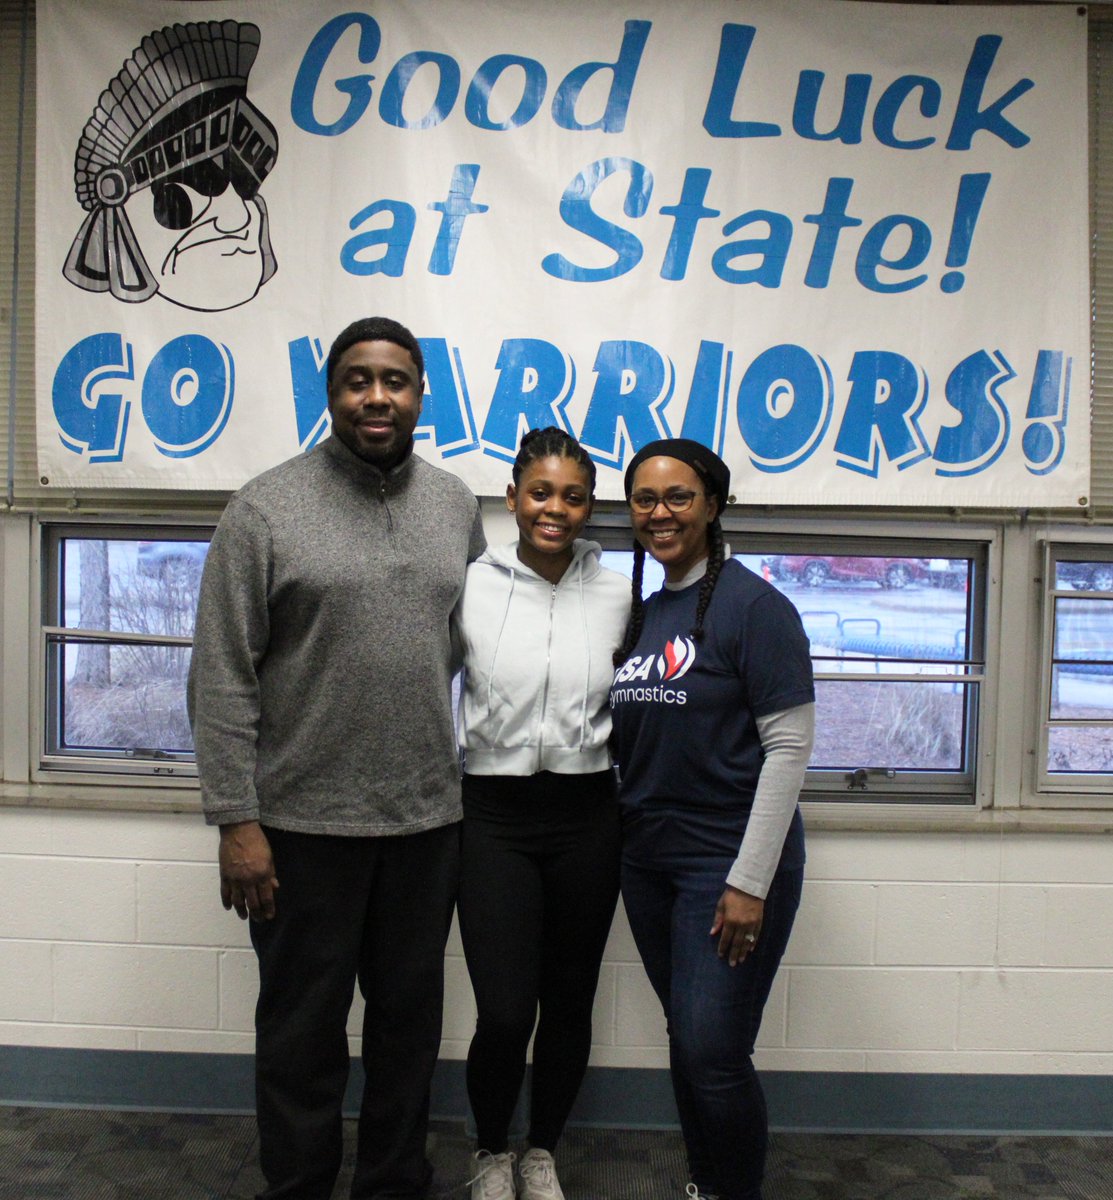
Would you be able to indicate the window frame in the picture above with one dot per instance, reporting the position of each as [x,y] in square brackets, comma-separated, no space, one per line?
[174,771]
[969,790]
[1007,792]
[1058,788]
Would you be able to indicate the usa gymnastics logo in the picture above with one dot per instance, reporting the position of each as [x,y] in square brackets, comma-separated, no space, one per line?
[678,657]
[633,682]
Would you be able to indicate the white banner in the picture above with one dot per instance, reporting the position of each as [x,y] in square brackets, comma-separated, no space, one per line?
[844,244]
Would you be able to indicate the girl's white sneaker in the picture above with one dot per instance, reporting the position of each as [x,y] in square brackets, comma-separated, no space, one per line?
[494,1176]
[537,1175]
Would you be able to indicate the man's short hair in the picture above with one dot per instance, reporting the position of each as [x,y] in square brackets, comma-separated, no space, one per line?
[374,329]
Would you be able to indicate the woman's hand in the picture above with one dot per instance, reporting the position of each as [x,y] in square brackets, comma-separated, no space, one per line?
[737,924]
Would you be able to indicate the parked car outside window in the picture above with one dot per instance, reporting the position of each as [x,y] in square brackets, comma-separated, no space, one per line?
[1086,576]
[171,560]
[814,570]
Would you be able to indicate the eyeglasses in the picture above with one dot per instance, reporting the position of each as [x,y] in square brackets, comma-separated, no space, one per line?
[676,502]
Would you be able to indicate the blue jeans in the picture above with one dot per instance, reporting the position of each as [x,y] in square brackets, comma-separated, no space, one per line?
[713,1010]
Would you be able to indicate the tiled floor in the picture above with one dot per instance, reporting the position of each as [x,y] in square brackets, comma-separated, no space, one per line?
[84,1154]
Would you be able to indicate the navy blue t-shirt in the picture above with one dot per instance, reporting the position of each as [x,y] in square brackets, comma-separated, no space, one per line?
[685,731]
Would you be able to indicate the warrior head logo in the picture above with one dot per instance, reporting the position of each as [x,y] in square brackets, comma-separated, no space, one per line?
[168,169]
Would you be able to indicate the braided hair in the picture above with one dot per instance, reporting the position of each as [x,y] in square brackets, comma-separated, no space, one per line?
[552,442]
[637,608]
[715,558]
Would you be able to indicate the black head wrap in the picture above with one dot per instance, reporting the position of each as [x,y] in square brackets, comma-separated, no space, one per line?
[706,463]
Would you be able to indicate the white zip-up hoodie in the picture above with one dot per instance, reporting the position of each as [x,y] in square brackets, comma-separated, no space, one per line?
[537,663]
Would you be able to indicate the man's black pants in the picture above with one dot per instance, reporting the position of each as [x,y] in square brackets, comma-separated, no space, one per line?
[374,909]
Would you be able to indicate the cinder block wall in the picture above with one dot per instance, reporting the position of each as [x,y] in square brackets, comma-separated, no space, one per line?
[938,953]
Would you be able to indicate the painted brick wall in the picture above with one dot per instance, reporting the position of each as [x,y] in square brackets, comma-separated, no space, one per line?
[952,953]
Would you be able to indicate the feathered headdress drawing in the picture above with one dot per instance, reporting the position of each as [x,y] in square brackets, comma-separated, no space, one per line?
[180,99]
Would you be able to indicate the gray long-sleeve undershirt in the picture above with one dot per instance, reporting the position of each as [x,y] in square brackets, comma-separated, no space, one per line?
[786,738]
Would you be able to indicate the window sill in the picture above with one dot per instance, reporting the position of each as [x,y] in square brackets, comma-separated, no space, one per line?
[853,818]
[818,817]
[110,795]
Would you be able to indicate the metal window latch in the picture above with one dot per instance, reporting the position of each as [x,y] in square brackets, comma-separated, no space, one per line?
[858,780]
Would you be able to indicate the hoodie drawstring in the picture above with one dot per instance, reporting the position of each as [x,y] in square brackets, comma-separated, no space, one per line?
[498,638]
[587,676]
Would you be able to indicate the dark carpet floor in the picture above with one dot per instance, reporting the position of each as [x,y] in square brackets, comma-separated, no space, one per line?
[84,1154]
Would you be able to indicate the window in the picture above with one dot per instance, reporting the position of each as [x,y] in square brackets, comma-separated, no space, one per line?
[1076,704]
[898,637]
[117,630]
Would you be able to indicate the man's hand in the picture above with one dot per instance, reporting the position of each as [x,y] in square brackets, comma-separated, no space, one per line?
[738,917]
[247,881]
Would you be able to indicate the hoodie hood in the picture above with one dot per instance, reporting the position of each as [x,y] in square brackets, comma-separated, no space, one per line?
[585,564]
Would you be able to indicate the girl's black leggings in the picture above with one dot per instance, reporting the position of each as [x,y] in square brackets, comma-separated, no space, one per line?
[539,883]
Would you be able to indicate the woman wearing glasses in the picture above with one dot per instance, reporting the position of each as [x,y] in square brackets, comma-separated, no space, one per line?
[713,708]
[538,623]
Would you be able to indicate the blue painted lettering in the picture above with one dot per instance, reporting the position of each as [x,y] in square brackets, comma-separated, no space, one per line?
[535,383]
[455,210]
[1044,438]
[686,216]
[784,407]
[477,103]
[577,213]
[983,432]
[393,96]
[633,383]
[356,87]
[395,238]
[307,382]
[735,42]
[848,129]
[871,254]
[187,395]
[773,250]
[969,118]
[623,71]
[889,106]
[887,396]
[446,409]
[705,414]
[92,417]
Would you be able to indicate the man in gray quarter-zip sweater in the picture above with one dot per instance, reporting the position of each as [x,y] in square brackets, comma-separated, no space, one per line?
[319,693]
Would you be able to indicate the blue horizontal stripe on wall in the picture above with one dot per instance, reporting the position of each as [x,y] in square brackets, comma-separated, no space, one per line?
[611,1096]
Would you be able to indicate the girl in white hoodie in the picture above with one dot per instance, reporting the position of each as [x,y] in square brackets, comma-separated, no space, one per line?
[538,624]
